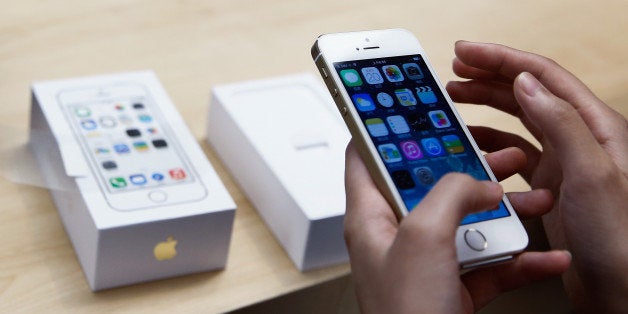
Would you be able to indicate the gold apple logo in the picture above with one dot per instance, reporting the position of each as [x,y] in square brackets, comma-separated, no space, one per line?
[166,250]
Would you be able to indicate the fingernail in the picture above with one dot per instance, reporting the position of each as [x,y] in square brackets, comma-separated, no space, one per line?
[496,188]
[462,42]
[568,254]
[529,83]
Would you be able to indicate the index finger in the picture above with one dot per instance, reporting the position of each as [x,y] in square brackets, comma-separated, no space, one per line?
[510,62]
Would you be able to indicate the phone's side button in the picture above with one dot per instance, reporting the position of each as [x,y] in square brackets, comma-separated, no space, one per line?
[344,110]
[475,240]
[335,93]
[324,73]
[158,196]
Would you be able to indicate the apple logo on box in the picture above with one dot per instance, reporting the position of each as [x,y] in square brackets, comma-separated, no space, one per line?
[166,250]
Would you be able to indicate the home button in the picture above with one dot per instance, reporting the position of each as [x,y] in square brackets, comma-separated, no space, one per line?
[158,196]
[475,240]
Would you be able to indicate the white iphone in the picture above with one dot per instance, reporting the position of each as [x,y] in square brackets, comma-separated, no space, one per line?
[131,150]
[409,133]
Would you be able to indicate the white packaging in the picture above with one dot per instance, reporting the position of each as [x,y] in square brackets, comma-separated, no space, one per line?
[116,246]
[284,141]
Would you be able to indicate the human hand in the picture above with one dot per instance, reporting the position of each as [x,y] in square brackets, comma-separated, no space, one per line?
[412,266]
[583,161]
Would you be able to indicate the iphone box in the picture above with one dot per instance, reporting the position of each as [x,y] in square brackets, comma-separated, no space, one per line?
[137,196]
[284,141]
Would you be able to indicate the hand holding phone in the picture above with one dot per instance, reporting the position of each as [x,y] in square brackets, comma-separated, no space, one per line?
[409,134]
[411,266]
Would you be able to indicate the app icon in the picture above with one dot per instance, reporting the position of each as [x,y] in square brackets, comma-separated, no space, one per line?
[350,77]
[389,153]
[432,147]
[372,76]
[439,119]
[411,150]
[403,179]
[88,124]
[138,106]
[133,132]
[376,127]
[160,143]
[425,175]
[82,112]
[157,176]
[385,100]
[151,131]
[405,97]
[125,119]
[121,148]
[398,124]
[177,173]
[117,182]
[145,118]
[137,179]
[418,121]
[118,107]
[101,150]
[392,72]
[109,165]
[93,134]
[426,94]
[453,144]
[108,122]
[363,102]
[140,146]
[413,71]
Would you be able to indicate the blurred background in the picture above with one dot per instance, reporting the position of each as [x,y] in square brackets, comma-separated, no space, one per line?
[195,45]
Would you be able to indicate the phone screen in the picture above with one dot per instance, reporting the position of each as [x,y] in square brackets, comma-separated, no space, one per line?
[127,144]
[412,126]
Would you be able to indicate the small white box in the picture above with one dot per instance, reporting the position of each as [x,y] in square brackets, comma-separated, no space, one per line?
[284,141]
[136,194]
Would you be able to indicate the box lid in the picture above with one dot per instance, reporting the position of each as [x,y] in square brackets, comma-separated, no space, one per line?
[295,127]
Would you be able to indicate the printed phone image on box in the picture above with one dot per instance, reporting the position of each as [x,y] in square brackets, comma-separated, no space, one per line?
[130,149]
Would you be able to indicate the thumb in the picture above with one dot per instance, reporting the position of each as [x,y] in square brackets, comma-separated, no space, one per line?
[559,121]
[453,197]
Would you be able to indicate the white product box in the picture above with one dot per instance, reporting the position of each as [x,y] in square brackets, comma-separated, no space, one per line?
[136,194]
[284,141]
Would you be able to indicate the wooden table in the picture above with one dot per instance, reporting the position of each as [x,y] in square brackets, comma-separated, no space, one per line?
[194,45]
